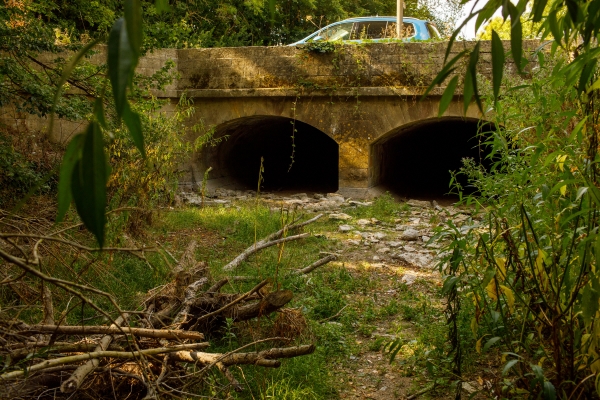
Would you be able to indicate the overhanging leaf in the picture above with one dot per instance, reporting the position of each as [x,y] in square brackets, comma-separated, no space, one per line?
[162,6]
[88,184]
[72,155]
[447,96]
[497,63]
[516,42]
[120,63]
[443,74]
[538,9]
[133,21]
[134,124]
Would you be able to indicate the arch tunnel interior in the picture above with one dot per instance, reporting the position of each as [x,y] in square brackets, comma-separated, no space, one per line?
[296,156]
[415,161]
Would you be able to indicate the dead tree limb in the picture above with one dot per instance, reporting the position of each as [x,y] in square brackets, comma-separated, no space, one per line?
[99,354]
[234,302]
[112,330]
[268,304]
[265,358]
[20,354]
[77,378]
[315,265]
[271,240]
[259,246]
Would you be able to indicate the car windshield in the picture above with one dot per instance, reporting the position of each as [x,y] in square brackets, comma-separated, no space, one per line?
[364,30]
[336,32]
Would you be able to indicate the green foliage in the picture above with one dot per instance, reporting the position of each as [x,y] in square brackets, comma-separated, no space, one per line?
[22,170]
[320,47]
[502,28]
[529,268]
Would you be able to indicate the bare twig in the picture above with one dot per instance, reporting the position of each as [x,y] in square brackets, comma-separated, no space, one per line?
[99,354]
[259,246]
[334,316]
[112,330]
[271,240]
[315,265]
[75,380]
[234,302]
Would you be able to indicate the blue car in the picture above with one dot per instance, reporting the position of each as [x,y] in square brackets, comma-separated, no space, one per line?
[372,28]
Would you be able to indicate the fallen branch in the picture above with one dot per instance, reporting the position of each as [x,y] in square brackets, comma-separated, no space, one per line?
[112,330]
[334,316]
[265,358]
[271,240]
[259,246]
[20,354]
[99,354]
[421,392]
[77,378]
[234,302]
[315,265]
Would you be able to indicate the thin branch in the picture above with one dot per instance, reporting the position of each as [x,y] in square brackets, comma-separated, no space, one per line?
[100,354]
[111,330]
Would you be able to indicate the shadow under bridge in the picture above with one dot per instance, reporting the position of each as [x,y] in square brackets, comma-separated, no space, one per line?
[296,156]
[415,160]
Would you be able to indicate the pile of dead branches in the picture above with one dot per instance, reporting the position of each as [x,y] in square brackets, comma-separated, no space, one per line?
[158,350]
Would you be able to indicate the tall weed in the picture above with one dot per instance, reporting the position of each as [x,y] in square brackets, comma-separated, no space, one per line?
[529,268]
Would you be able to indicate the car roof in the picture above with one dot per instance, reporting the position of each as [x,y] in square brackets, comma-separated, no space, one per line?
[378,18]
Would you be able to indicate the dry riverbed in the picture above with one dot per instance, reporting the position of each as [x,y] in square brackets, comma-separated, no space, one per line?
[386,284]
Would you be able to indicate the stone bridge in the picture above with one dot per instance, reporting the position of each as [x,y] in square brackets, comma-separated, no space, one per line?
[350,119]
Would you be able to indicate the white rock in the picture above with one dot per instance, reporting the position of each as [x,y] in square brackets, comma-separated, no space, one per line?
[300,196]
[383,250]
[468,387]
[359,203]
[408,279]
[364,222]
[418,260]
[353,242]
[376,258]
[394,244]
[335,197]
[293,201]
[379,235]
[345,228]
[419,203]
[410,235]
[340,216]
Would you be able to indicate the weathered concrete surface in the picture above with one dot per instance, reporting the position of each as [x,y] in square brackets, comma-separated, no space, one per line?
[356,95]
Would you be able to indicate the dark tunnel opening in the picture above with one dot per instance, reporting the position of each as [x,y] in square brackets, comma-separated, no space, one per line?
[415,161]
[304,160]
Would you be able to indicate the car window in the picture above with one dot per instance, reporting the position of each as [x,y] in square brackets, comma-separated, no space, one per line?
[336,32]
[370,30]
[408,31]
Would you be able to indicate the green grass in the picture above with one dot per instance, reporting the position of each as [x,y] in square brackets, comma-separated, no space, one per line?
[340,304]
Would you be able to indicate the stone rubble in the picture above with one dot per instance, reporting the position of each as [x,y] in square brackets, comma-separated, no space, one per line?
[404,242]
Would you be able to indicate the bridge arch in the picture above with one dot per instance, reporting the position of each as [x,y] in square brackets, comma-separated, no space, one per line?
[296,155]
[414,160]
